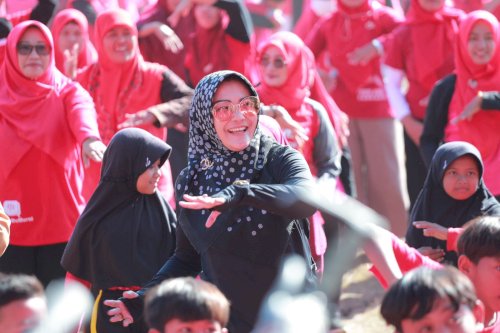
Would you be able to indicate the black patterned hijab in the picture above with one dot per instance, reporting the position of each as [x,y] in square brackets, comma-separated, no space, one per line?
[123,237]
[211,166]
[435,205]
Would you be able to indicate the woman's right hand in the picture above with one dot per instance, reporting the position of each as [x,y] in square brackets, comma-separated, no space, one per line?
[119,311]
[432,229]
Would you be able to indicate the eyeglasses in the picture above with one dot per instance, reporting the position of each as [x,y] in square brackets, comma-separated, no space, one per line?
[224,110]
[26,49]
[277,62]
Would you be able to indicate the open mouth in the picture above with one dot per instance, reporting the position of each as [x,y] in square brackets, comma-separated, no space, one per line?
[237,130]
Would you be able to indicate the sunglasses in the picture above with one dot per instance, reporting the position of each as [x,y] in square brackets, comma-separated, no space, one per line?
[26,49]
[277,62]
[224,110]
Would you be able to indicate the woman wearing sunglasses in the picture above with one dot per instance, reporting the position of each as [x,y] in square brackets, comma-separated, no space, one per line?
[238,215]
[47,123]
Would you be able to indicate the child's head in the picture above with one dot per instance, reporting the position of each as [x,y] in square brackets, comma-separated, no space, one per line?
[186,303]
[459,168]
[436,299]
[479,250]
[22,303]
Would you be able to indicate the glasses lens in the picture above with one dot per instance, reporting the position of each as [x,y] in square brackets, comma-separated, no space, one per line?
[279,63]
[249,104]
[26,49]
[223,110]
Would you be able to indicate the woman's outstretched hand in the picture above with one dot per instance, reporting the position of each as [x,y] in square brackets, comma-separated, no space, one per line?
[203,202]
[92,149]
[119,311]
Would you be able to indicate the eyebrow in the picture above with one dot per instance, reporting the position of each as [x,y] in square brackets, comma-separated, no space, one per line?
[228,100]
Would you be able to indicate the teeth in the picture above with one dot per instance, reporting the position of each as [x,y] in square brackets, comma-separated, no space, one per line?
[239,129]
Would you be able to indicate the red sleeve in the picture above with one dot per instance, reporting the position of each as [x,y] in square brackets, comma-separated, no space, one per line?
[407,257]
[80,112]
[316,39]
[394,50]
[71,278]
[389,20]
[453,234]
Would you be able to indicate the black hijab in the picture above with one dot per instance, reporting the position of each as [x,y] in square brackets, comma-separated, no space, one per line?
[434,205]
[212,167]
[123,237]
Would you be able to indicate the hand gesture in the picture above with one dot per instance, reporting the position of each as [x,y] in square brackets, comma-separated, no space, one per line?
[203,202]
[292,128]
[119,311]
[362,55]
[432,229]
[92,149]
[434,254]
[169,38]
[137,119]
[71,61]
[469,110]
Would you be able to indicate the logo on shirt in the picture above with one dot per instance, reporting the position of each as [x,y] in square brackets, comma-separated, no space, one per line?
[13,209]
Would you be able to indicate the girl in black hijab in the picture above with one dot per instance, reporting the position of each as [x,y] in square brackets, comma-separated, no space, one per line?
[453,193]
[238,214]
[127,231]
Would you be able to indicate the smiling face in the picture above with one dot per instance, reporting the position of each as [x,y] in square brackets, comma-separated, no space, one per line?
[236,132]
[33,65]
[272,67]
[461,178]
[70,35]
[481,43]
[147,182]
[119,44]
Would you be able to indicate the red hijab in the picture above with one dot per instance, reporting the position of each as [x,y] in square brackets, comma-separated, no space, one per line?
[121,88]
[433,34]
[87,55]
[32,111]
[303,79]
[482,129]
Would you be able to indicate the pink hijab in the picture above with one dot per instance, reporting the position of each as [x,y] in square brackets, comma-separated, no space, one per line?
[88,54]
[33,110]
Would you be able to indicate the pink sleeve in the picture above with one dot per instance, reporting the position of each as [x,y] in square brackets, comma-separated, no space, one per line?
[453,234]
[80,112]
[407,257]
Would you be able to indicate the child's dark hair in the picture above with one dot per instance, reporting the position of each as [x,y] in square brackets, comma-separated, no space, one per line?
[185,299]
[481,238]
[415,295]
[15,287]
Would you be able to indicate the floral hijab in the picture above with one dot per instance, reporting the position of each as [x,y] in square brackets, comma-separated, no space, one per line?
[211,166]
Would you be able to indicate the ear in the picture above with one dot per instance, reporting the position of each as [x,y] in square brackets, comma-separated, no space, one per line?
[479,314]
[465,265]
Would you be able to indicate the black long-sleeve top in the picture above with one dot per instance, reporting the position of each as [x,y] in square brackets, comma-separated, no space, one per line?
[436,117]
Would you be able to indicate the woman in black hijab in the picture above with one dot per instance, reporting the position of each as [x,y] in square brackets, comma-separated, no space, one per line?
[127,231]
[453,194]
[238,213]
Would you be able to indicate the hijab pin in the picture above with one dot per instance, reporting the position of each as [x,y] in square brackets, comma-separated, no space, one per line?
[206,164]
[472,83]
[241,182]
[148,162]
[445,164]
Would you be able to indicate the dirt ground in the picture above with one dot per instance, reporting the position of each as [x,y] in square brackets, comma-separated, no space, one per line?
[360,301]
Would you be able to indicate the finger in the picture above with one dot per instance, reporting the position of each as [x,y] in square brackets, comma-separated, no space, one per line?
[114,312]
[86,161]
[129,294]
[127,322]
[211,218]
[115,319]
[112,303]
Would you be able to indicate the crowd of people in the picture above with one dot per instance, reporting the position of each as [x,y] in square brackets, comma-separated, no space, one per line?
[158,152]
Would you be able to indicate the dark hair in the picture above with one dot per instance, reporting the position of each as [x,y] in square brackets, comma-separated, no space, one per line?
[481,238]
[185,299]
[414,295]
[14,287]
